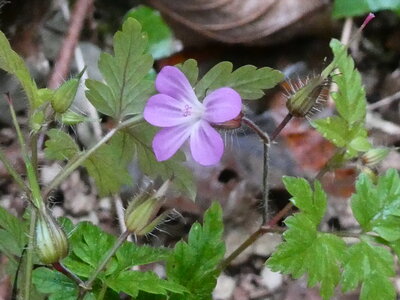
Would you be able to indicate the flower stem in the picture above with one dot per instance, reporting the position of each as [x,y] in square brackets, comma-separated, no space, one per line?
[63,269]
[88,284]
[266,142]
[29,254]
[282,125]
[72,165]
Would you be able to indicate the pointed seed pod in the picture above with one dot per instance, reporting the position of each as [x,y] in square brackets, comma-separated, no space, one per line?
[305,97]
[50,240]
[140,216]
[65,95]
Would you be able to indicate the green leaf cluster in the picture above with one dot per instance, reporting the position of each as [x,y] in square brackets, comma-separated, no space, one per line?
[249,81]
[346,8]
[88,247]
[324,257]
[347,129]
[193,264]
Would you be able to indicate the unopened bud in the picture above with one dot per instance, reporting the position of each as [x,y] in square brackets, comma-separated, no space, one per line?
[50,240]
[231,124]
[370,173]
[374,156]
[65,95]
[140,216]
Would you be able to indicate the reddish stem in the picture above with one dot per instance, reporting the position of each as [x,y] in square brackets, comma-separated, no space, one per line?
[66,53]
[281,126]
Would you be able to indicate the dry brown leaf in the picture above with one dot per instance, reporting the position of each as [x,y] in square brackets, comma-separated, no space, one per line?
[239,21]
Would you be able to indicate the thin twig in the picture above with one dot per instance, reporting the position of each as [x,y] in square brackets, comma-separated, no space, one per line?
[66,53]
[385,101]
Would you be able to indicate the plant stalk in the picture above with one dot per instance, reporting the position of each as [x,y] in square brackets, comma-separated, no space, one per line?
[29,254]
[72,165]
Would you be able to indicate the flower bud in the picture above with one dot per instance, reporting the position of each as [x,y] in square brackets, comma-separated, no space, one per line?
[374,156]
[306,96]
[51,241]
[140,216]
[370,173]
[65,95]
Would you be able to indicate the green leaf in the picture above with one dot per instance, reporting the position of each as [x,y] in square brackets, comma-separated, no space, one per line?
[341,133]
[371,266]
[213,79]
[104,166]
[250,82]
[60,145]
[54,283]
[130,282]
[199,257]
[160,36]
[247,80]
[13,236]
[142,136]
[12,63]
[89,244]
[312,204]
[126,89]
[307,251]
[350,99]
[377,207]
[346,8]
[190,69]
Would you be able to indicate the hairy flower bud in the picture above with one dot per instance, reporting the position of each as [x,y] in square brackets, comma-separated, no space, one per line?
[51,241]
[374,156]
[140,216]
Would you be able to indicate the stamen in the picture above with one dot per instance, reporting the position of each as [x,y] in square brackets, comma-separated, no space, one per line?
[187,111]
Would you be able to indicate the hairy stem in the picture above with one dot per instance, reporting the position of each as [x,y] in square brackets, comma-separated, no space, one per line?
[72,165]
[63,269]
[282,125]
[11,170]
[266,141]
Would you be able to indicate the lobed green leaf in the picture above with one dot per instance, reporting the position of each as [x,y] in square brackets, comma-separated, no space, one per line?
[127,88]
[199,257]
[311,203]
[371,266]
[307,251]
[12,235]
[350,99]
[60,145]
[377,206]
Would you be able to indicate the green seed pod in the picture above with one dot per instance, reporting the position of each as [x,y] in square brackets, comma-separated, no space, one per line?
[374,156]
[65,95]
[140,216]
[50,240]
[304,97]
[71,118]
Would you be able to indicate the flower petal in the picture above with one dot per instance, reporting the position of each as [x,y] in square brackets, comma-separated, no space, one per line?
[222,105]
[168,140]
[206,144]
[172,82]
[164,111]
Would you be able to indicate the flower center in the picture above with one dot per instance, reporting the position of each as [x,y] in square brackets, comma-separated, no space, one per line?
[187,111]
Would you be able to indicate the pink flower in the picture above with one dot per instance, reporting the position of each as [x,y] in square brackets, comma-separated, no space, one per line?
[183,117]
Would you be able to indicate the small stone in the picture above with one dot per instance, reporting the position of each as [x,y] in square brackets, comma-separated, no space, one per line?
[224,288]
[272,280]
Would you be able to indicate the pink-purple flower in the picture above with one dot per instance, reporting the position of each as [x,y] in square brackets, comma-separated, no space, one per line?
[183,117]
